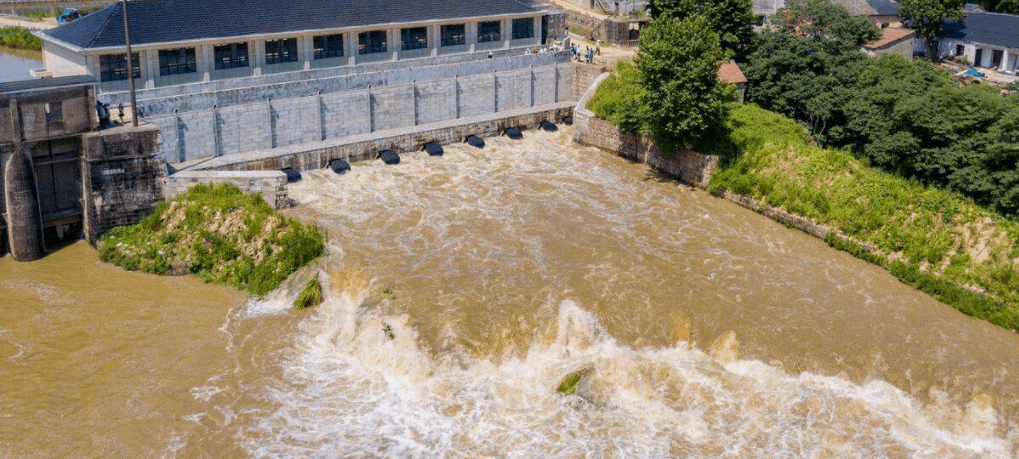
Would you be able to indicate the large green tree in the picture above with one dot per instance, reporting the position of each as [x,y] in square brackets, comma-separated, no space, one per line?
[807,69]
[733,20]
[678,62]
[928,18]
[825,22]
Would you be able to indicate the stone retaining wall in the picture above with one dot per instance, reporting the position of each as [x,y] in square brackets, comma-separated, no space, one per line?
[366,146]
[690,167]
[271,185]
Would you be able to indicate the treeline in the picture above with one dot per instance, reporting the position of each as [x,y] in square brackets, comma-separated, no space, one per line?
[19,37]
[906,117]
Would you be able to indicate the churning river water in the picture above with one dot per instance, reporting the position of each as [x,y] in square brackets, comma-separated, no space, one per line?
[460,291]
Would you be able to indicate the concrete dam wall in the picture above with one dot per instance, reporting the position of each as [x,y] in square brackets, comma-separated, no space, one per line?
[231,119]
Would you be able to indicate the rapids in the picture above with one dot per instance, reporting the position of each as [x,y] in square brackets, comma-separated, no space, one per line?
[461,289]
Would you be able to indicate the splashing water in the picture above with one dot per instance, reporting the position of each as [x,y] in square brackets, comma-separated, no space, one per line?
[352,390]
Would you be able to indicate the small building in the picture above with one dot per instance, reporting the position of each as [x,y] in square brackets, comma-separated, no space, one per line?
[60,175]
[730,72]
[186,41]
[987,40]
[884,13]
[892,40]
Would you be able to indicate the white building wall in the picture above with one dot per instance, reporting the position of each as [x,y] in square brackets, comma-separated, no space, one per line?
[61,61]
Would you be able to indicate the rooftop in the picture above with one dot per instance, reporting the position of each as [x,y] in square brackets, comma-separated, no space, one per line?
[890,35]
[869,7]
[995,29]
[46,83]
[163,21]
[729,72]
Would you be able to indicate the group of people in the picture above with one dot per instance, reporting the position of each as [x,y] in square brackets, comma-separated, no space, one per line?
[588,55]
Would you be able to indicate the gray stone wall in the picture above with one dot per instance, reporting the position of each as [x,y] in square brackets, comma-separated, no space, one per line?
[271,185]
[122,177]
[366,146]
[276,123]
[688,166]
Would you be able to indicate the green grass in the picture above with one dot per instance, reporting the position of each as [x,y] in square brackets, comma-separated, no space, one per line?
[19,37]
[311,294]
[934,240]
[618,98]
[569,384]
[219,234]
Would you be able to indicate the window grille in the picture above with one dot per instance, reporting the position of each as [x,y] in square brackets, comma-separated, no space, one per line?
[523,28]
[177,61]
[372,42]
[414,38]
[453,35]
[327,46]
[231,56]
[113,67]
[281,51]
[489,31]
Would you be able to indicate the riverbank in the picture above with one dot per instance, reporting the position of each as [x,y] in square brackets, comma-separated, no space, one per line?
[933,240]
[20,38]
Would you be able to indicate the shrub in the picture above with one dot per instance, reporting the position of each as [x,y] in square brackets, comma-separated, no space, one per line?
[218,234]
[310,295]
[19,37]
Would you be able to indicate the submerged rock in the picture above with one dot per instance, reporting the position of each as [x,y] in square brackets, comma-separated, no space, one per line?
[548,126]
[568,120]
[389,157]
[339,166]
[514,133]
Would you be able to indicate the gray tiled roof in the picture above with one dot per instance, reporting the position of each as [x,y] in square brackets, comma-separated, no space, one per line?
[45,83]
[988,28]
[161,21]
[869,7]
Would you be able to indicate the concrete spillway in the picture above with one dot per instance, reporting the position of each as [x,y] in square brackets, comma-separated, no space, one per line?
[24,220]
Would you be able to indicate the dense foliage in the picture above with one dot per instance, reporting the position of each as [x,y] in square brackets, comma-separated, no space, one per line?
[619,98]
[909,118]
[683,100]
[931,239]
[732,20]
[19,37]
[219,234]
[1001,6]
[928,18]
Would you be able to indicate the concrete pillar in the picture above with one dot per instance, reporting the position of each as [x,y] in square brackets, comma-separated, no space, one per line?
[203,54]
[147,60]
[307,52]
[537,30]
[471,29]
[16,120]
[507,33]
[24,218]
[433,40]
[393,42]
[456,97]
[256,51]
[350,42]
[1003,67]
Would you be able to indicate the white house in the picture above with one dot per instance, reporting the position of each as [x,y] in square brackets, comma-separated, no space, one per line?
[987,40]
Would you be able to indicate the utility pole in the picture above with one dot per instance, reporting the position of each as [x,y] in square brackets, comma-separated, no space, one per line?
[130,64]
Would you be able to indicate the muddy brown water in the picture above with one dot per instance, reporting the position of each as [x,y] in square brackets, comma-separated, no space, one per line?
[461,289]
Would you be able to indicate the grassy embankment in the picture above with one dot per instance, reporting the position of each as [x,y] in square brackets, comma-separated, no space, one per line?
[219,234]
[936,241]
[19,37]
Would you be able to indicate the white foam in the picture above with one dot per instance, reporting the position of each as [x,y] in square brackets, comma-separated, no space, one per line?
[354,390]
